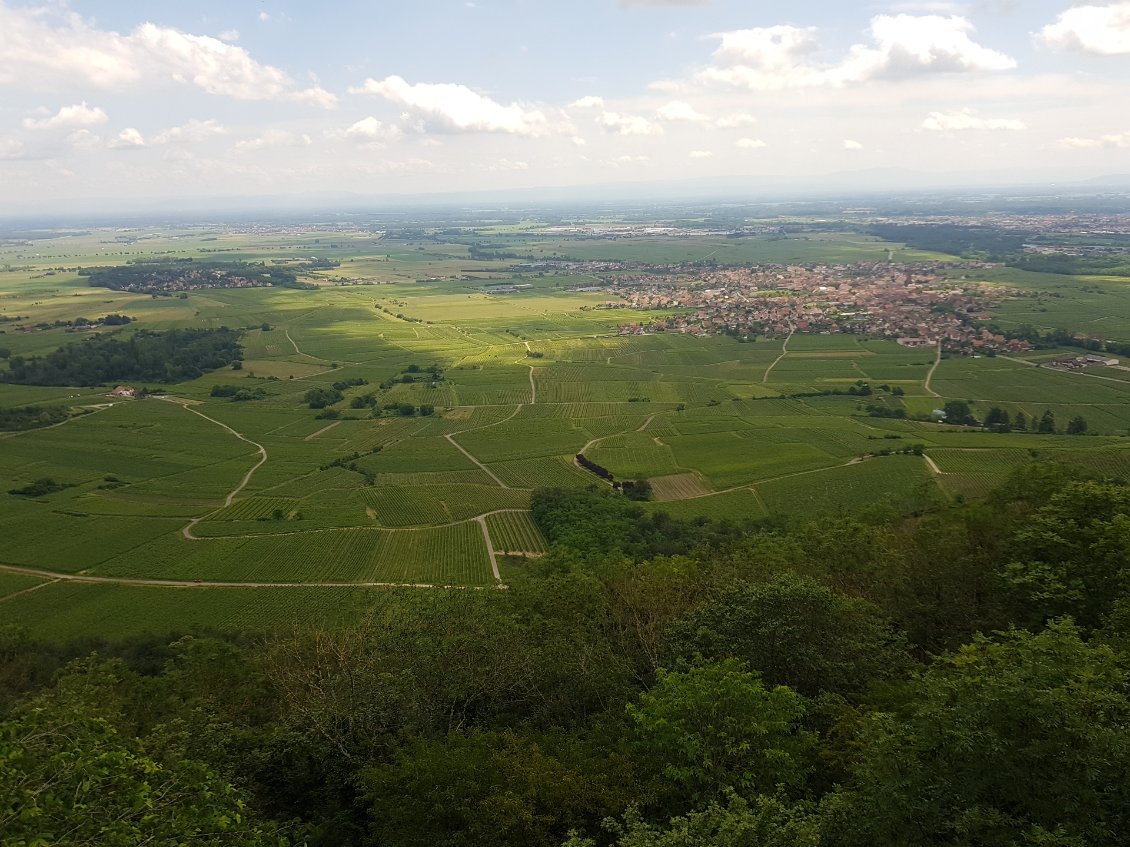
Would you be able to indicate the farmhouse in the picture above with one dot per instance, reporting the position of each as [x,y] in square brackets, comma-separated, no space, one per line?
[124,391]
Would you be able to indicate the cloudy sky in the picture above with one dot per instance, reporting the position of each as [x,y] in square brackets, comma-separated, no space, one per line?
[125,99]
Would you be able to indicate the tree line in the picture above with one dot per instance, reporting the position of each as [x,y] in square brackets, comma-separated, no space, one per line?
[174,355]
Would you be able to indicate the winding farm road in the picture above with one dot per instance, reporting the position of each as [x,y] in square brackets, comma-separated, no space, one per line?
[451,437]
[187,530]
[930,374]
[784,352]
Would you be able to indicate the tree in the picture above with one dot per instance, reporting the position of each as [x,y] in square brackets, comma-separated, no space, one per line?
[1047,423]
[67,777]
[715,726]
[1020,421]
[997,420]
[958,412]
[763,821]
[1077,426]
[1019,740]
[498,788]
[1068,557]
[794,631]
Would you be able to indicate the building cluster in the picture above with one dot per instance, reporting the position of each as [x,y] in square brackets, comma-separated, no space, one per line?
[1091,360]
[911,302]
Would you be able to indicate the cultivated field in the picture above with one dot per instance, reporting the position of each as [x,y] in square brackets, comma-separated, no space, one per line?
[197,509]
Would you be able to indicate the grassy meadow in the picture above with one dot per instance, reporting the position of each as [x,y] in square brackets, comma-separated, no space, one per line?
[171,518]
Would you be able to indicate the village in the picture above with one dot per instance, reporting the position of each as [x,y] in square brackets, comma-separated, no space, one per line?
[909,302]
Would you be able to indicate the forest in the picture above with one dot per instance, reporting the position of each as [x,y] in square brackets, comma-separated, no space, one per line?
[952,677]
[147,355]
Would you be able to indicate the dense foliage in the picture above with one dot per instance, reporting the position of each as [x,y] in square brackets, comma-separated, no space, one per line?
[145,356]
[960,678]
[31,417]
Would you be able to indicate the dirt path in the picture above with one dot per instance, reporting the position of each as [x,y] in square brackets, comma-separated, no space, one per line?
[784,352]
[466,453]
[28,590]
[185,583]
[321,431]
[481,520]
[451,437]
[751,486]
[187,530]
[293,344]
[930,374]
[933,465]
[533,387]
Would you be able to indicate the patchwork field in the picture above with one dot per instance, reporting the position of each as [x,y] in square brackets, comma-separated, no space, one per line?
[457,404]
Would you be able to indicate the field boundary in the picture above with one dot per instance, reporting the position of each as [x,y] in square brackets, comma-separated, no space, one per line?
[197,583]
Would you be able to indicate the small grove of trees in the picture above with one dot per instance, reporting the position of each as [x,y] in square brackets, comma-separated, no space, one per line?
[319,398]
[238,394]
[31,417]
[40,488]
[633,489]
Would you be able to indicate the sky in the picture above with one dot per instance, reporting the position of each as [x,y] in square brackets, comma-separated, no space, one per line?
[121,100]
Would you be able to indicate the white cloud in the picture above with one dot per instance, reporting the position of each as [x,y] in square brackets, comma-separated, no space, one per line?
[264,16]
[965,120]
[852,144]
[619,124]
[750,144]
[508,165]
[780,57]
[51,47]
[1102,30]
[229,35]
[370,130]
[83,139]
[1120,140]
[128,139]
[11,148]
[679,110]
[194,130]
[700,154]
[588,103]
[272,138]
[737,119]
[456,108]
[69,117]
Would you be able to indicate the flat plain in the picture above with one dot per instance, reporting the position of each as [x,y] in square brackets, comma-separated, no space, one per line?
[518,381]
